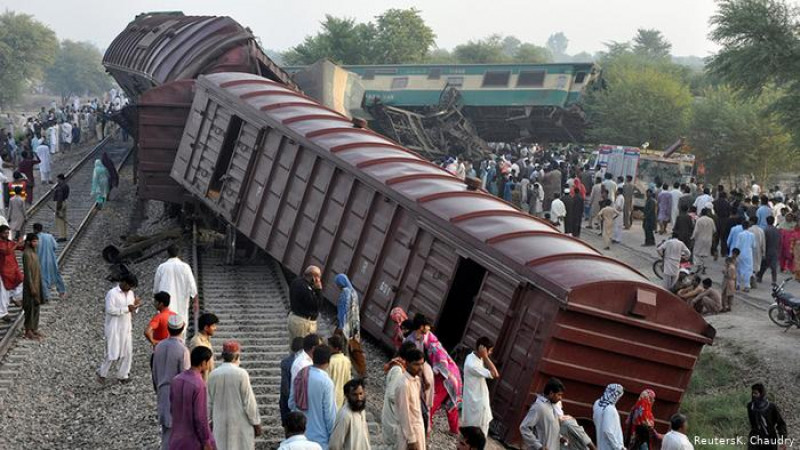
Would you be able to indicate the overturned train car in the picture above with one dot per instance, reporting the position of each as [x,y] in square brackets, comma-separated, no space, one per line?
[305,185]
[155,61]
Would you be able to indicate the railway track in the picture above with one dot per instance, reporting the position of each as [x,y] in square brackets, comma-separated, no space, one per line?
[81,209]
[251,302]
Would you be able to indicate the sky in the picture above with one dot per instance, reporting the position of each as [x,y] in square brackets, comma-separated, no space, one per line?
[280,25]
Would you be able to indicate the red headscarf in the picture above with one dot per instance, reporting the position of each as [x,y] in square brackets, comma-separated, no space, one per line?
[642,412]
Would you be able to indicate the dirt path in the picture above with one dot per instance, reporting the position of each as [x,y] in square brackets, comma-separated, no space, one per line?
[746,335]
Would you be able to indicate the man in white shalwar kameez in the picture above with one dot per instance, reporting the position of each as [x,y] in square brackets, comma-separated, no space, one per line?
[350,431]
[232,403]
[476,407]
[673,251]
[52,138]
[411,428]
[120,304]
[175,277]
[43,152]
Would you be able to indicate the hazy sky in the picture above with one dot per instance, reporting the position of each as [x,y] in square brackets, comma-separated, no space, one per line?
[587,23]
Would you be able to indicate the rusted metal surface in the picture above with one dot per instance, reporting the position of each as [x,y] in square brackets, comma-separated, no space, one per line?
[155,60]
[156,48]
[298,180]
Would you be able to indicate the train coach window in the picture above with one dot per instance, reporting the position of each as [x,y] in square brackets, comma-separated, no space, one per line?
[579,77]
[225,157]
[531,78]
[496,78]
[455,81]
[399,82]
[369,74]
[435,73]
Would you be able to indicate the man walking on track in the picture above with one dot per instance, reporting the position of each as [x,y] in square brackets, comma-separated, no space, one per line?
[188,405]
[233,406]
[60,196]
[32,287]
[305,300]
[48,261]
[175,277]
[121,303]
[170,358]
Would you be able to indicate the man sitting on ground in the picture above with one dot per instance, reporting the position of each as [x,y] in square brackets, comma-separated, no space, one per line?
[709,301]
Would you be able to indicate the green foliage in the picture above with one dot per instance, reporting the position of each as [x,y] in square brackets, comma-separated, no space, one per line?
[440,56]
[27,47]
[735,136]
[398,36]
[715,401]
[403,37]
[77,70]
[760,50]
[557,43]
[640,104]
[483,51]
[341,40]
[532,54]
[651,43]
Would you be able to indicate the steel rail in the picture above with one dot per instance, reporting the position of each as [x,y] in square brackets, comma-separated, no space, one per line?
[11,333]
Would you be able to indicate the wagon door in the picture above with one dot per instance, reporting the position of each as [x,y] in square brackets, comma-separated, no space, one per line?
[232,167]
[518,355]
[391,267]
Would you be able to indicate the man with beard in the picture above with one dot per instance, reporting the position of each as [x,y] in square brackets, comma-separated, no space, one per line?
[232,403]
[411,429]
[350,432]
[766,423]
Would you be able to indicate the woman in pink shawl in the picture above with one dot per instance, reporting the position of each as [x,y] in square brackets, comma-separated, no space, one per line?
[447,385]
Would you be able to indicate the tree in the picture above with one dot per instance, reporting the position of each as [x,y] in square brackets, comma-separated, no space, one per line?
[399,36]
[403,37]
[651,43]
[77,70]
[557,44]
[341,40]
[511,46]
[736,136]
[760,49]
[583,57]
[440,56]
[532,54]
[484,51]
[639,104]
[27,47]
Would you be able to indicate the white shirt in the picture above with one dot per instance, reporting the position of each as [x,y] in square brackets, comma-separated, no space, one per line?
[703,201]
[233,407]
[673,250]
[118,323]
[609,428]
[43,152]
[301,361]
[299,442]
[175,278]
[477,409]
[675,440]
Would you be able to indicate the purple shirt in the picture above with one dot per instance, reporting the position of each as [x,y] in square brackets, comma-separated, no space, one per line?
[188,405]
[664,206]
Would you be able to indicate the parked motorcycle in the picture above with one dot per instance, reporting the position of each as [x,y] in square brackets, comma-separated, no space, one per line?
[685,276]
[785,312]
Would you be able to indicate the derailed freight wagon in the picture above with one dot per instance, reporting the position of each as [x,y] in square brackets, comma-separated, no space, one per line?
[308,187]
[154,60]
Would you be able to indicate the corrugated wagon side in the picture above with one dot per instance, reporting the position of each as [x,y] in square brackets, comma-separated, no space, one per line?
[303,183]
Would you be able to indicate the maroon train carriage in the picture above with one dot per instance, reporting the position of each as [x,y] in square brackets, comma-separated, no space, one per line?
[305,185]
[154,60]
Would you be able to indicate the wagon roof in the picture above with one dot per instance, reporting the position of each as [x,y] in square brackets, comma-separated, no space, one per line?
[167,46]
[540,253]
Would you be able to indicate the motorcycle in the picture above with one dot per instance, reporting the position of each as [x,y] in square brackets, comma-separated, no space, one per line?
[685,276]
[785,312]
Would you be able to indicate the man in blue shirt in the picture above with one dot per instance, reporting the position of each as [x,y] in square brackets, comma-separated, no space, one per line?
[312,393]
[763,212]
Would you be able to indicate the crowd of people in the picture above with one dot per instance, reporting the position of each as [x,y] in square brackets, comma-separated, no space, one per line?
[755,231]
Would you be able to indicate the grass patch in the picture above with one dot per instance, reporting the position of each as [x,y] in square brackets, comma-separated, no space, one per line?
[715,401]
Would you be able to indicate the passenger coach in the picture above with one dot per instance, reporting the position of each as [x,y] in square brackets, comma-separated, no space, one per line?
[304,184]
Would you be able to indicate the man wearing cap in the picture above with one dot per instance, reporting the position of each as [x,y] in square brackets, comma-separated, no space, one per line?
[234,411]
[170,358]
[120,305]
[305,300]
